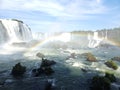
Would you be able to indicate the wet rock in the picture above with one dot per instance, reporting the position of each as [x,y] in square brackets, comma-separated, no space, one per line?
[18,70]
[2,82]
[46,62]
[102,82]
[111,64]
[116,58]
[45,68]
[90,57]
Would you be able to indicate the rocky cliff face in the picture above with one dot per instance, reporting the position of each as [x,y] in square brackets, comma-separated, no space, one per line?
[12,30]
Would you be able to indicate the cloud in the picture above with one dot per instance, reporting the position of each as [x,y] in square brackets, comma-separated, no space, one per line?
[70,8]
[57,15]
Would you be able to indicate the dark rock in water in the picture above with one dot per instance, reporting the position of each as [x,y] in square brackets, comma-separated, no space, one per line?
[45,68]
[18,70]
[40,55]
[84,70]
[111,64]
[46,62]
[90,57]
[37,72]
[48,70]
[116,58]
[48,86]
[2,83]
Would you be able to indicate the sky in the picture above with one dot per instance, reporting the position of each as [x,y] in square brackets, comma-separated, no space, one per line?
[63,15]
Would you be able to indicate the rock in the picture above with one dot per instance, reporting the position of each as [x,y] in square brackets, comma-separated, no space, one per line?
[90,57]
[46,62]
[111,64]
[40,55]
[116,58]
[48,70]
[84,70]
[45,68]
[2,81]
[18,70]
[48,86]
[102,82]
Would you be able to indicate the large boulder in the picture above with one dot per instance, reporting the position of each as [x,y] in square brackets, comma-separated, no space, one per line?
[45,68]
[18,70]
[90,57]
[46,62]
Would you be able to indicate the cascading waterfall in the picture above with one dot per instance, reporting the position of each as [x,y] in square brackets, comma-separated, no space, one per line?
[94,40]
[38,36]
[106,35]
[14,31]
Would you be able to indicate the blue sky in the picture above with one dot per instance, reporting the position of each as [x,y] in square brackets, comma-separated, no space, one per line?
[63,15]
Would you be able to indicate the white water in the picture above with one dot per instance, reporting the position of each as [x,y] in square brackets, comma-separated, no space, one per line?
[94,40]
[17,31]
[14,31]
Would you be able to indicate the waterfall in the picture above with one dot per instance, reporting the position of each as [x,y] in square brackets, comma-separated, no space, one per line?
[106,35]
[14,31]
[94,40]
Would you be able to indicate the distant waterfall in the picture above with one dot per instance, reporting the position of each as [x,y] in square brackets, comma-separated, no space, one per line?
[94,40]
[106,35]
[14,31]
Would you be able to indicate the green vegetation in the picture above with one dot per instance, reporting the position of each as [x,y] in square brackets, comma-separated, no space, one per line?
[111,64]
[17,20]
[110,76]
[18,70]
[102,82]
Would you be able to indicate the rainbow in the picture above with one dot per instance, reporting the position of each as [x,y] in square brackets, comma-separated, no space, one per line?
[51,38]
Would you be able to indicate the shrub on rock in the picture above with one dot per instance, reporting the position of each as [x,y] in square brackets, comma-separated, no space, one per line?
[18,70]
[102,82]
[111,77]
[111,64]
[40,55]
